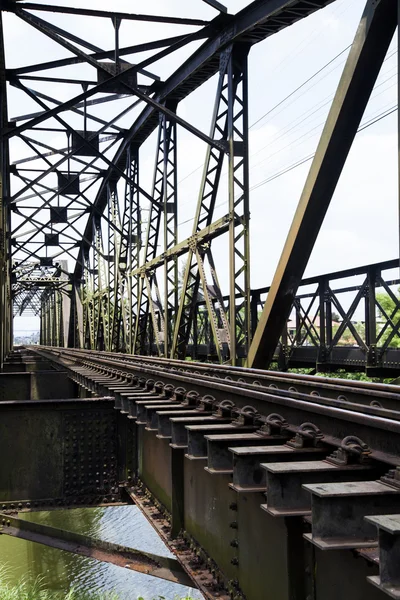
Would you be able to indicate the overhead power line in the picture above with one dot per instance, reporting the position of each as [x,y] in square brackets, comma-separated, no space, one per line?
[311,156]
[306,159]
[281,101]
[300,86]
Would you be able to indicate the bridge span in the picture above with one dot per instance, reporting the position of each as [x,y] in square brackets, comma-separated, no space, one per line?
[263,484]
[162,377]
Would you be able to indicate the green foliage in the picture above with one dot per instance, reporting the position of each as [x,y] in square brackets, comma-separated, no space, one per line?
[354,376]
[391,310]
[348,336]
[164,598]
[343,374]
[26,590]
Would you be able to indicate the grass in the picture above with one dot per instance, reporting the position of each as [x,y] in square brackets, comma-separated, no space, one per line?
[36,591]
[26,590]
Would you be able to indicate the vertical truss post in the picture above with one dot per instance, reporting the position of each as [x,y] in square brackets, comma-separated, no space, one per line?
[322,289]
[42,334]
[50,321]
[5,292]
[99,286]
[204,215]
[114,298]
[87,289]
[370,317]
[150,249]
[59,329]
[94,271]
[170,230]
[239,213]
[372,40]
[66,306]
[109,307]
[46,310]
[78,340]
[56,318]
[328,316]
[130,245]
[52,316]
[9,315]
[148,279]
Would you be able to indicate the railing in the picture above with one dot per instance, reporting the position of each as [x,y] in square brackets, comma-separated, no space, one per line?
[348,319]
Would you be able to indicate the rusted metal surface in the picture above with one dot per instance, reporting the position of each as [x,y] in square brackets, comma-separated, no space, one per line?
[36,385]
[69,457]
[340,389]
[336,418]
[199,455]
[200,567]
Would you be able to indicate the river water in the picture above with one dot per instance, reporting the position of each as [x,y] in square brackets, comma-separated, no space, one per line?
[62,570]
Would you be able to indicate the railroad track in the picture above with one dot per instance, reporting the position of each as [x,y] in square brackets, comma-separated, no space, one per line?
[324,450]
[374,394]
[336,408]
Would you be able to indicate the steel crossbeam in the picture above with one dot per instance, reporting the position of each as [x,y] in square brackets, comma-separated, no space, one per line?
[124,293]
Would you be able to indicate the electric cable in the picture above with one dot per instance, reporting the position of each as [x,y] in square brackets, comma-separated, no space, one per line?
[305,159]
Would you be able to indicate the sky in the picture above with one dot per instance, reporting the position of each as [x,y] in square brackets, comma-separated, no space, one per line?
[361,226]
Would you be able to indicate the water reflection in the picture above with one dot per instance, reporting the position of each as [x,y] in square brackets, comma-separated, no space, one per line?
[62,570]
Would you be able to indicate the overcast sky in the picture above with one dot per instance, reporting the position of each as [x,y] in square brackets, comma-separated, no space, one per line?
[362,223]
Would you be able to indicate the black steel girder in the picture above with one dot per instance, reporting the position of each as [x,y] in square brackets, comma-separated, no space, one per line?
[253,24]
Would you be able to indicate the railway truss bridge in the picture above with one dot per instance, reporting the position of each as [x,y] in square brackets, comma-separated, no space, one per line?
[150,384]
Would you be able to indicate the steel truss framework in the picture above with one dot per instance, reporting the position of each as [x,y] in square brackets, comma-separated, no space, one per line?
[366,336]
[77,198]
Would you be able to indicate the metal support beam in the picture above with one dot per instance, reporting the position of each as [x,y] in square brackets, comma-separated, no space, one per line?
[229,122]
[5,267]
[239,246]
[146,278]
[170,204]
[373,37]
[104,13]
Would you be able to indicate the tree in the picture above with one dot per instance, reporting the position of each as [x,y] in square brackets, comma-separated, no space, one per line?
[388,309]
[348,337]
